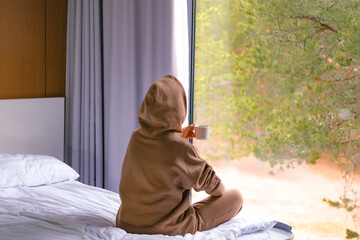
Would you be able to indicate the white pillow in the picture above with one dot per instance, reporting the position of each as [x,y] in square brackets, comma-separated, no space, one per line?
[33,170]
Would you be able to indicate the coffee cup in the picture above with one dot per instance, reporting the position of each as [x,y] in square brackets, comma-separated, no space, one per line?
[202,132]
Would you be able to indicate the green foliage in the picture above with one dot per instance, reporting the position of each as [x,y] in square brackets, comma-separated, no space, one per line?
[279,78]
[313,157]
[351,234]
[332,203]
[350,198]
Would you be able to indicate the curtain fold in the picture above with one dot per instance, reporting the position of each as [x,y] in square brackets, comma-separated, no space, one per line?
[84,97]
[116,50]
[136,54]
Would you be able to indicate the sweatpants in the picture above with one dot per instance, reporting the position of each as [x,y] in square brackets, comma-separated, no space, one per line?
[213,211]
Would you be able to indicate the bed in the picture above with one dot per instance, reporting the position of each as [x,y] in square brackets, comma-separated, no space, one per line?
[40,198]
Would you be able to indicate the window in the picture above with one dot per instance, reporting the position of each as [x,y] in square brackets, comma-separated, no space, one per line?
[278,82]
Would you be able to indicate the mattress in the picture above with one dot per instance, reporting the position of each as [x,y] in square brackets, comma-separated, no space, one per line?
[72,210]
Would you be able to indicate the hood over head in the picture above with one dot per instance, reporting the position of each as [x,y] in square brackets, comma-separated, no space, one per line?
[163,108]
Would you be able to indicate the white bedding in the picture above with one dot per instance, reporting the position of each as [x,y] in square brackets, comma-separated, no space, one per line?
[72,210]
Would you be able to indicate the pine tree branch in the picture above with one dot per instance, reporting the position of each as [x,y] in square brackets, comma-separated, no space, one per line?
[323,26]
[335,80]
[350,140]
[335,126]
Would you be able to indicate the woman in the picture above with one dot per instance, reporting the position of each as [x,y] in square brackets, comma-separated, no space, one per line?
[161,167]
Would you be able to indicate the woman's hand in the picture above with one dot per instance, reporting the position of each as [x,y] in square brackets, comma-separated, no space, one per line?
[188,132]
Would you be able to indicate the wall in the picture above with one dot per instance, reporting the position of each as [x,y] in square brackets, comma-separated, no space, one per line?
[32,126]
[32,48]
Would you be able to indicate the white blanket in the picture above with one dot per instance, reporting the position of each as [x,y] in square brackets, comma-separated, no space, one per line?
[72,210]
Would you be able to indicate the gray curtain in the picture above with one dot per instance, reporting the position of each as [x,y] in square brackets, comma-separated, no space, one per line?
[137,51]
[116,50]
[84,95]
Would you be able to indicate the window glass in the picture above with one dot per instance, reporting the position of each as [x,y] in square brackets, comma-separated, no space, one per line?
[278,83]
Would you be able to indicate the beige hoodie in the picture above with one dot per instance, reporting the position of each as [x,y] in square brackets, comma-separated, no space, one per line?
[160,168]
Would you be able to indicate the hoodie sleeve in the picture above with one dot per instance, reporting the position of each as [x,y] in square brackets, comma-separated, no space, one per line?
[199,175]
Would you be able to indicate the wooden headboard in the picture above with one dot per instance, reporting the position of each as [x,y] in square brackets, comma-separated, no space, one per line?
[33,48]
[32,126]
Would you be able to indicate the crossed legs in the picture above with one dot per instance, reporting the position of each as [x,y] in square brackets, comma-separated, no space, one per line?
[216,210]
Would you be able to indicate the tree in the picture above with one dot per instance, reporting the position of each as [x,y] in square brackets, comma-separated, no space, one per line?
[281,79]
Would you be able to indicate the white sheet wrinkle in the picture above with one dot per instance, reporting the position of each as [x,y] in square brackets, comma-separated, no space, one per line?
[72,210]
